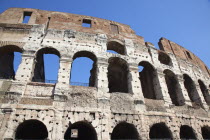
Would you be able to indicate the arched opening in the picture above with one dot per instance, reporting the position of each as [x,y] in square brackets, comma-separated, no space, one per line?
[83,69]
[31,129]
[164,58]
[10,59]
[174,89]
[118,75]
[115,47]
[205,91]
[191,89]
[80,131]
[205,132]
[147,76]
[187,132]
[46,66]
[160,131]
[125,131]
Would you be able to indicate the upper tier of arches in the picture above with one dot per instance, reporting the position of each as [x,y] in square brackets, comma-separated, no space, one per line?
[118,75]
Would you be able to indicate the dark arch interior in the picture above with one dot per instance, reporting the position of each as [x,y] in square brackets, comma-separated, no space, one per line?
[186,132]
[118,75]
[88,61]
[117,47]
[31,129]
[125,131]
[173,88]
[160,131]
[7,59]
[164,58]
[205,132]
[147,76]
[191,89]
[41,63]
[85,132]
[205,92]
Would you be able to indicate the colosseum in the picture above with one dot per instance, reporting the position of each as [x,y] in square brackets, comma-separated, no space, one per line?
[138,93]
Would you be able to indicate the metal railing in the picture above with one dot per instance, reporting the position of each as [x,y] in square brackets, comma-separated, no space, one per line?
[51,81]
[7,77]
[45,81]
[79,84]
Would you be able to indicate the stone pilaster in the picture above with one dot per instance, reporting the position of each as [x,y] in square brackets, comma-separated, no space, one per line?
[57,125]
[25,69]
[184,91]
[129,47]
[163,88]
[102,77]
[64,71]
[201,96]
[134,87]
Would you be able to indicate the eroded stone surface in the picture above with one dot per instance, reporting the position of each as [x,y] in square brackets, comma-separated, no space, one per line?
[60,107]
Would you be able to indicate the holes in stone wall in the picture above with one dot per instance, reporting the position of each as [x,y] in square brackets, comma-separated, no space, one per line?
[188,55]
[186,132]
[31,129]
[115,47]
[118,75]
[46,65]
[114,28]
[160,131]
[147,75]
[10,58]
[174,89]
[86,23]
[85,131]
[164,58]
[125,131]
[26,17]
[191,89]
[83,70]
[205,132]
[205,91]
[207,70]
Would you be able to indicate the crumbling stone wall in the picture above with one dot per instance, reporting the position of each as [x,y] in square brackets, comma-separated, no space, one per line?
[103,110]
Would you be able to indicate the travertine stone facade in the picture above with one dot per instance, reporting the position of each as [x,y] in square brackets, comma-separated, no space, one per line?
[169,98]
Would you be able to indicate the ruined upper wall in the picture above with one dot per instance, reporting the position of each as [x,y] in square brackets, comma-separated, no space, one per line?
[66,21]
[182,53]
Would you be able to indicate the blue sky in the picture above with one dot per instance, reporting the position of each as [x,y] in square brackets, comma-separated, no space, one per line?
[186,22]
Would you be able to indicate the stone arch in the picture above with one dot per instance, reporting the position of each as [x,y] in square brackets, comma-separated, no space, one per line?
[125,131]
[39,70]
[84,130]
[191,90]
[7,59]
[31,129]
[148,76]
[187,132]
[116,46]
[174,88]
[164,58]
[93,58]
[117,75]
[160,131]
[48,50]
[205,130]
[205,91]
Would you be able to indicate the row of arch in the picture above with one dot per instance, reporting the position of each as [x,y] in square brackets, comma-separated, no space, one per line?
[35,129]
[118,71]
[7,53]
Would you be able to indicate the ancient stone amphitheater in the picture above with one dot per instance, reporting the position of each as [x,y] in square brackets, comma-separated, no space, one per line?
[139,92]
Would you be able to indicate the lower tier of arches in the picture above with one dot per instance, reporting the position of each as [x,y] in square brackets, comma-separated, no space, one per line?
[76,125]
